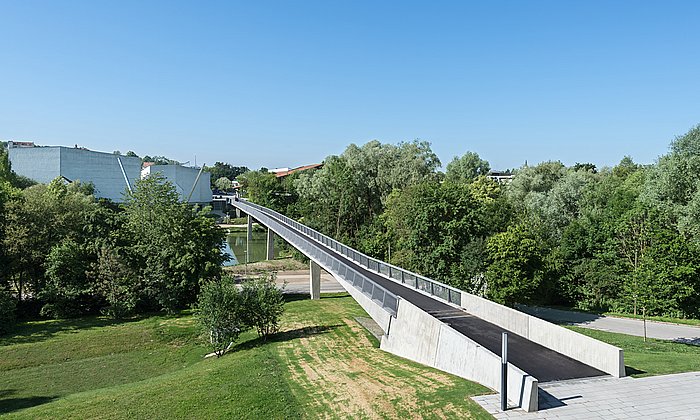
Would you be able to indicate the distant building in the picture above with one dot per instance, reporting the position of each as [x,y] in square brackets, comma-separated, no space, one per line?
[184,178]
[282,172]
[109,173]
[504,177]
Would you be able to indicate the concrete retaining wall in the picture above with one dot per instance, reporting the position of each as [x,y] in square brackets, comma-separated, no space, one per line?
[418,336]
[603,356]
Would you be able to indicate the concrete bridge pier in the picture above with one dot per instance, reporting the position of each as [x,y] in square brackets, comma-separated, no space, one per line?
[270,255]
[249,238]
[315,280]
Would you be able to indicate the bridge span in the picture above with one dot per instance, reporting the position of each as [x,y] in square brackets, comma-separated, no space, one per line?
[443,327]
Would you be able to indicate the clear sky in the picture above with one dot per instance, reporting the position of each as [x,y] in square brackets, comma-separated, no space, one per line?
[272,84]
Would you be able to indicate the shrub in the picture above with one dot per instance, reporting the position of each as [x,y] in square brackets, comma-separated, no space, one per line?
[219,309]
[263,305]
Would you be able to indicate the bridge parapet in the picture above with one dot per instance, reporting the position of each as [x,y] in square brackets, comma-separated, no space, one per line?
[432,287]
[384,298]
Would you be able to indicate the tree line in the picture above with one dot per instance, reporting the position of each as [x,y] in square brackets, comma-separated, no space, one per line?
[65,253]
[625,238]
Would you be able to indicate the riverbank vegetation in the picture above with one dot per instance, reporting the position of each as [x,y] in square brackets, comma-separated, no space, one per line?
[623,239]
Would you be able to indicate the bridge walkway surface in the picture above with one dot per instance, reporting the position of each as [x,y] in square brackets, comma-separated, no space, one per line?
[542,363]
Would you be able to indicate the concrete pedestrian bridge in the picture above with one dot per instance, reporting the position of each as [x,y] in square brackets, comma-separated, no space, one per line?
[440,326]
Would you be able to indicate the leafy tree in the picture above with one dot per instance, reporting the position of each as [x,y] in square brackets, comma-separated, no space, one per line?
[516,264]
[439,230]
[351,190]
[116,281]
[172,245]
[42,217]
[226,170]
[131,154]
[673,185]
[467,168]
[223,184]
[68,290]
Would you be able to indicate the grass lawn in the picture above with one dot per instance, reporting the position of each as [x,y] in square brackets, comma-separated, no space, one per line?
[322,364]
[655,357]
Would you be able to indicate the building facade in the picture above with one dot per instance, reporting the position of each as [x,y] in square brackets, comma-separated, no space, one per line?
[110,174]
[185,180]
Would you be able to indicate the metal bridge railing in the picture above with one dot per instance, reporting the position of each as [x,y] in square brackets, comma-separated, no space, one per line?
[434,288]
[377,293]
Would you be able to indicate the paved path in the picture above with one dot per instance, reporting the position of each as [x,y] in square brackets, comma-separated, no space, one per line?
[297,281]
[666,331]
[657,397]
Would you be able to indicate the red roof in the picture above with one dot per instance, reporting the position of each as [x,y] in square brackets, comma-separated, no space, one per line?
[299,169]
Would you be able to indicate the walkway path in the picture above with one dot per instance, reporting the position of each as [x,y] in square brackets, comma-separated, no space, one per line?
[657,397]
[666,331]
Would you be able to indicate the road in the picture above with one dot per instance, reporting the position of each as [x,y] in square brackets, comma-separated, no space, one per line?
[662,330]
[542,363]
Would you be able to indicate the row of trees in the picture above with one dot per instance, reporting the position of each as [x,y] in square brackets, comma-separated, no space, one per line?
[65,253]
[621,238]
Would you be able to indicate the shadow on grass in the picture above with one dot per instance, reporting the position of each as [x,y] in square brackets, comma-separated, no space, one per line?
[8,405]
[286,336]
[293,297]
[629,371]
[35,331]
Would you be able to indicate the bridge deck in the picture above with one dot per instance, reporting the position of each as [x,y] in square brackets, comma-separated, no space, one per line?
[544,364]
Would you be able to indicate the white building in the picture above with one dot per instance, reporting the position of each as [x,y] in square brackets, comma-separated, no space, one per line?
[109,173]
[184,179]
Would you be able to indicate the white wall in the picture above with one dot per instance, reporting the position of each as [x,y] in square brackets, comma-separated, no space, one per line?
[418,336]
[44,164]
[183,179]
[600,355]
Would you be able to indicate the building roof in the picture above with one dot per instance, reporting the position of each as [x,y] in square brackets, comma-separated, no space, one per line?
[298,169]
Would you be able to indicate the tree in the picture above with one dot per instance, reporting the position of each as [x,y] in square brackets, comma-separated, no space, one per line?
[467,168]
[221,169]
[515,268]
[172,245]
[42,217]
[223,184]
[346,196]
[672,184]
[439,230]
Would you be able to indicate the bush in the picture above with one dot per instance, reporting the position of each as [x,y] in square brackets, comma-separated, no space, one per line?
[263,305]
[220,311]
[7,311]
[225,310]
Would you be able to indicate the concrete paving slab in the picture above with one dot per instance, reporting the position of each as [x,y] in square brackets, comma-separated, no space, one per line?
[656,397]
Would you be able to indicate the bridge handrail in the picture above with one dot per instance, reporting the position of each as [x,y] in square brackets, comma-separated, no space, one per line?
[434,288]
[377,293]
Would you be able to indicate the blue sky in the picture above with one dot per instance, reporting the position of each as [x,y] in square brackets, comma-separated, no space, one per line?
[262,83]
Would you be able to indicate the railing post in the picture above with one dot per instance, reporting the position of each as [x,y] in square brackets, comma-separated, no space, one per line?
[504,371]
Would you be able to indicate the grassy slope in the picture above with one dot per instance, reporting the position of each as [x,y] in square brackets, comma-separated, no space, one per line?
[322,364]
[655,357]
